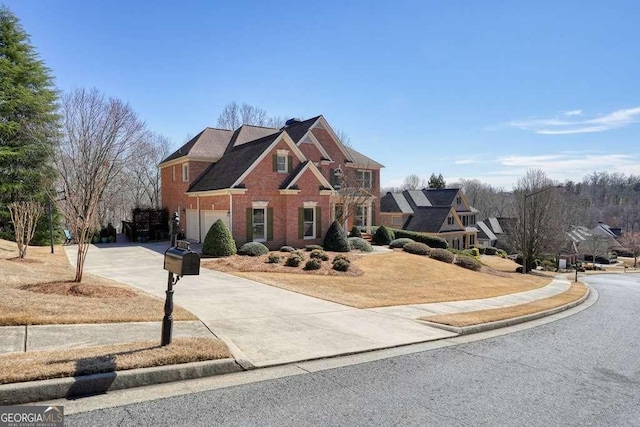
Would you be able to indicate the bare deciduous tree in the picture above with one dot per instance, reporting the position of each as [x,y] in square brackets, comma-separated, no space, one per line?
[234,115]
[25,216]
[631,242]
[98,136]
[351,193]
[143,171]
[413,182]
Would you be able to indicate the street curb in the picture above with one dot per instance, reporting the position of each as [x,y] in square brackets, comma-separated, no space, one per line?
[86,385]
[466,330]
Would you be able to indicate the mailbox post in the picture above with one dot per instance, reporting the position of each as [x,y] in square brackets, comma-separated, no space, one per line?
[178,261]
[167,320]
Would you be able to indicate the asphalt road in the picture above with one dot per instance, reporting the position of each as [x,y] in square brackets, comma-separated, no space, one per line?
[581,370]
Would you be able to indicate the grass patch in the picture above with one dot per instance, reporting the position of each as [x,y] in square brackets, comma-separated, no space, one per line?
[398,278]
[575,292]
[40,365]
[39,290]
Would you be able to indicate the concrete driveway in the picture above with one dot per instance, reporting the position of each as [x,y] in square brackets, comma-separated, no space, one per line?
[269,325]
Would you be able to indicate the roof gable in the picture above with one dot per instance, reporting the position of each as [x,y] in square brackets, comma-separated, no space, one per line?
[430,219]
[484,231]
[298,172]
[211,143]
[248,133]
[441,196]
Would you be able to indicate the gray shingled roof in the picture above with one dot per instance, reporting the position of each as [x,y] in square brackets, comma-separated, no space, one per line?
[293,175]
[429,219]
[361,159]
[248,133]
[210,143]
[441,196]
[298,129]
[417,198]
[394,202]
[232,165]
[495,225]
[484,231]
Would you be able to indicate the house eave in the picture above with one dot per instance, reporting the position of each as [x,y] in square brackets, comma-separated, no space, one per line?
[221,192]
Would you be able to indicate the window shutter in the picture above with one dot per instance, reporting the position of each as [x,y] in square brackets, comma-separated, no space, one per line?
[249,224]
[300,223]
[275,162]
[289,163]
[318,222]
[269,224]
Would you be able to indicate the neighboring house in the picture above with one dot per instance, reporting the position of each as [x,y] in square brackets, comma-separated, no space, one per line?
[277,186]
[600,241]
[440,212]
[489,231]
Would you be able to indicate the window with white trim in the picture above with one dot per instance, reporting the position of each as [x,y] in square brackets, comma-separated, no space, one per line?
[449,220]
[185,172]
[363,178]
[309,223]
[259,226]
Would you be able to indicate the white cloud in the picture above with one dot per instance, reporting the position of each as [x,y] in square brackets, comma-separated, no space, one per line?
[464,161]
[572,122]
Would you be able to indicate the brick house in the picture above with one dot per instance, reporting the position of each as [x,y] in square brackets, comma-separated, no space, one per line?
[275,186]
[444,213]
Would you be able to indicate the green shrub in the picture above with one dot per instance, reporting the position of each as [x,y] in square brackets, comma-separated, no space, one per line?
[475,252]
[355,232]
[341,265]
[431,241]
[340,257]
[502,253]
[399,243]
[253,249]
[490,250]
[468,263]
[360,243]
[336,239]
[442,255]
[287,249]
[417,248]
[274,259]
[293,261]
[548,265]
[310,248]
[319,254]
[299,253]
[481,249]
[219,241]
[382,236]
[312,264]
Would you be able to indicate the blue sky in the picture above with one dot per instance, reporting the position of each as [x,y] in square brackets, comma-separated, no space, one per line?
[469,89]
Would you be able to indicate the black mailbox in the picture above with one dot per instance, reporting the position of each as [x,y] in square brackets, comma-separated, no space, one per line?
[181,260]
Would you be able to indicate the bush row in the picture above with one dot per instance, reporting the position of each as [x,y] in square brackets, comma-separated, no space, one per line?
[431,241]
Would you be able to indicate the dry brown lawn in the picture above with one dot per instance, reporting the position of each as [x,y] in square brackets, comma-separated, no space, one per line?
[40,365]
[399,278]
[39,290]
[575,292]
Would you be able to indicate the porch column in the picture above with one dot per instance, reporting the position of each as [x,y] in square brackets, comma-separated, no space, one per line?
[369,219]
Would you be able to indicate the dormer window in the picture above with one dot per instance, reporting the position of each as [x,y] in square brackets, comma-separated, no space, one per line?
[449,220]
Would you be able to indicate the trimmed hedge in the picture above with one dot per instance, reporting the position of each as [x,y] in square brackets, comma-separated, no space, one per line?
[287,249]
[310,248]
[399,243]
[219,241]
[355,232]
[253,249]
[336,239]
[468,263]
[274,259]
[360,243]
[431,241]
[382,236]
[293,261]
[341,263]
[417,248]
[442,255]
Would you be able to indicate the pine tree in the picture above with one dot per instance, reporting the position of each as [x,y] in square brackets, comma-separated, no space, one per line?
[28,118]
[436,181]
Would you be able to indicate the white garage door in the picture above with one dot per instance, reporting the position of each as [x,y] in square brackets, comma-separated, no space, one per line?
[192,224]
[208,218]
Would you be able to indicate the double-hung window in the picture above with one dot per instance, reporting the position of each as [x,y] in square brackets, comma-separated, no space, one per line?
[309,223]
[363,178]
[185,172]
[259,225]
[281,164]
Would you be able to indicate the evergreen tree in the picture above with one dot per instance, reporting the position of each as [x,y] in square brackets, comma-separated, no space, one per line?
[28,118]
[436,181]
[219,241]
